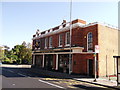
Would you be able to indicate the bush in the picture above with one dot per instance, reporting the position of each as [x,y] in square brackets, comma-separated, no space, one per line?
[6,61]
[14,62]
[18,61]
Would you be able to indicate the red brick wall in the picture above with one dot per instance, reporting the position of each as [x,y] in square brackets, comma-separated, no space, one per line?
[80,62]
[79,37]
[54,61]
[55,41]
[85,31]
[76,37]
[78,20]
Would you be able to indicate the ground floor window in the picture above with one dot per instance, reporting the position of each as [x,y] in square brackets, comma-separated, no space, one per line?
[48,63]
[38,60]
[63,65]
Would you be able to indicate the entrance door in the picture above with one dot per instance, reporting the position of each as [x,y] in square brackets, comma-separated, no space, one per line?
[38,61]
[63,65]
[48,62]
[90,67]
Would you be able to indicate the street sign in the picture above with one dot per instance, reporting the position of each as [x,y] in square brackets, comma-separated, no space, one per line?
[96,49]
[118,71]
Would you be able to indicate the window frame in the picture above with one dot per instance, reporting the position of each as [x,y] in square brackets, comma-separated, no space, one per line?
[46,42]
[90,42]
[60,40]
[66,40]
[50,42]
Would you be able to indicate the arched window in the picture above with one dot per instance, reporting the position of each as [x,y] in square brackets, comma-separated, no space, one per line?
[90,41]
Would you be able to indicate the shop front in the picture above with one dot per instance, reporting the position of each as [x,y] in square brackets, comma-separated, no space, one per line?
[63,63]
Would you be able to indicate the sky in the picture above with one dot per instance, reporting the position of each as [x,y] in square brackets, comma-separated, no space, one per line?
[20,20]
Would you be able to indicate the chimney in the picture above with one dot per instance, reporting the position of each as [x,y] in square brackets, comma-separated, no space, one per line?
[64,21]
[38,32]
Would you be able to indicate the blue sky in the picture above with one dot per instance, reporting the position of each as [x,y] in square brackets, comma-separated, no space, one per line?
[20,20]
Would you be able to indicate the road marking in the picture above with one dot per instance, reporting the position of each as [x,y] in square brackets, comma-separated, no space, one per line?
[51,84]
[13,84]
[11,71]
[21,74]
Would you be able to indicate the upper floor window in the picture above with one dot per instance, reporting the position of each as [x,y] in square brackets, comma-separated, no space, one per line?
[37,43]
[67,38]
[60,39]
[90,41]
[46,42]
[50,42]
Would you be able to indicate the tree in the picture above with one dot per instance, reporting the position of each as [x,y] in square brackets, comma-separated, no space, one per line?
[29,45]
[6,54]
[24,43]
[23,53]
[1,53]
[20,54]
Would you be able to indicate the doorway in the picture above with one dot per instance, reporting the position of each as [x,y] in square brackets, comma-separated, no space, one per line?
[38,61]
[90,67]
[63,63]
[48,62]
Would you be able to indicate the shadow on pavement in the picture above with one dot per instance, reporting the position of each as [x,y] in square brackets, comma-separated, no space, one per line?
[87,87]
[41,73]
[37,72]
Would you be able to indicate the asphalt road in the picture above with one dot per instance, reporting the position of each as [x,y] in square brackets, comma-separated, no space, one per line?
[24,78]
[19,78]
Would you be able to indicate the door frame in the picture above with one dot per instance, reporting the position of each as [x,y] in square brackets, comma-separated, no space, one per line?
[88,66]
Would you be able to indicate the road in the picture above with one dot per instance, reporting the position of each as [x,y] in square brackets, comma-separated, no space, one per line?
[25,78]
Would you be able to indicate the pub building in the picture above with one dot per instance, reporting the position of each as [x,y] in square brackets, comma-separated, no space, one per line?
[51,48]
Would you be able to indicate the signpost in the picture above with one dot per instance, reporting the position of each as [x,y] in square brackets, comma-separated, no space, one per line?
[118,69]
[96,51]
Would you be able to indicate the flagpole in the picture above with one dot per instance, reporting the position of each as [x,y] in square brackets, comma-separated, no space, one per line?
[70,55]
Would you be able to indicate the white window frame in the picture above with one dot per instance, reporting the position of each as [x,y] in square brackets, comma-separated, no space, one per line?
[46,42]
[50,42]
[66,44]
[60,40]
[88,42]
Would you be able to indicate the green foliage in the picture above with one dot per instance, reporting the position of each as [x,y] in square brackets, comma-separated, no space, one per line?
[20,54]
[6,60]
[1,54]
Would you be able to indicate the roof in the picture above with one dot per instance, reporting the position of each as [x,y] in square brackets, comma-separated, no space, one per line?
[66,26]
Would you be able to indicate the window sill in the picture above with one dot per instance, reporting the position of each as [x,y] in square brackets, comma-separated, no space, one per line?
[90,51]
[67,45]
[45,48]
[50,47]
[60,46]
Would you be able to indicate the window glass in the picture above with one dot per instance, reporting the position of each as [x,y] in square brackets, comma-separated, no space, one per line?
[67,38]
[60,39]
[46,42]
[90,41]
[50,42]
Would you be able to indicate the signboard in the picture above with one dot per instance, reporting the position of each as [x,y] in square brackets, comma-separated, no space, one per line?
[118,71]
[96,49]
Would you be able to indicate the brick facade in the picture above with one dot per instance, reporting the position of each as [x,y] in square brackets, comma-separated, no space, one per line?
[82,59]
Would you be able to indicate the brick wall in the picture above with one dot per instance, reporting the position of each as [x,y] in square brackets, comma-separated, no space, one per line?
[79,37]
[80,63]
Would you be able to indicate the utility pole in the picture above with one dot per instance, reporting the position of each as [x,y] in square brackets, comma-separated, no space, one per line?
[95,61]
[95,67]
[70,55]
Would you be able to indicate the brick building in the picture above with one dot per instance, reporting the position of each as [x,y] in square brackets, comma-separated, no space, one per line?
[51,48]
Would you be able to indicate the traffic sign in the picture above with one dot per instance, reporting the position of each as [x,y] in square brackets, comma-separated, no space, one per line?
[96,49]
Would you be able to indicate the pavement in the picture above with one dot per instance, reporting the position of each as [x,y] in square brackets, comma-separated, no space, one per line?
[102,81]
[58,77]
[15,66]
